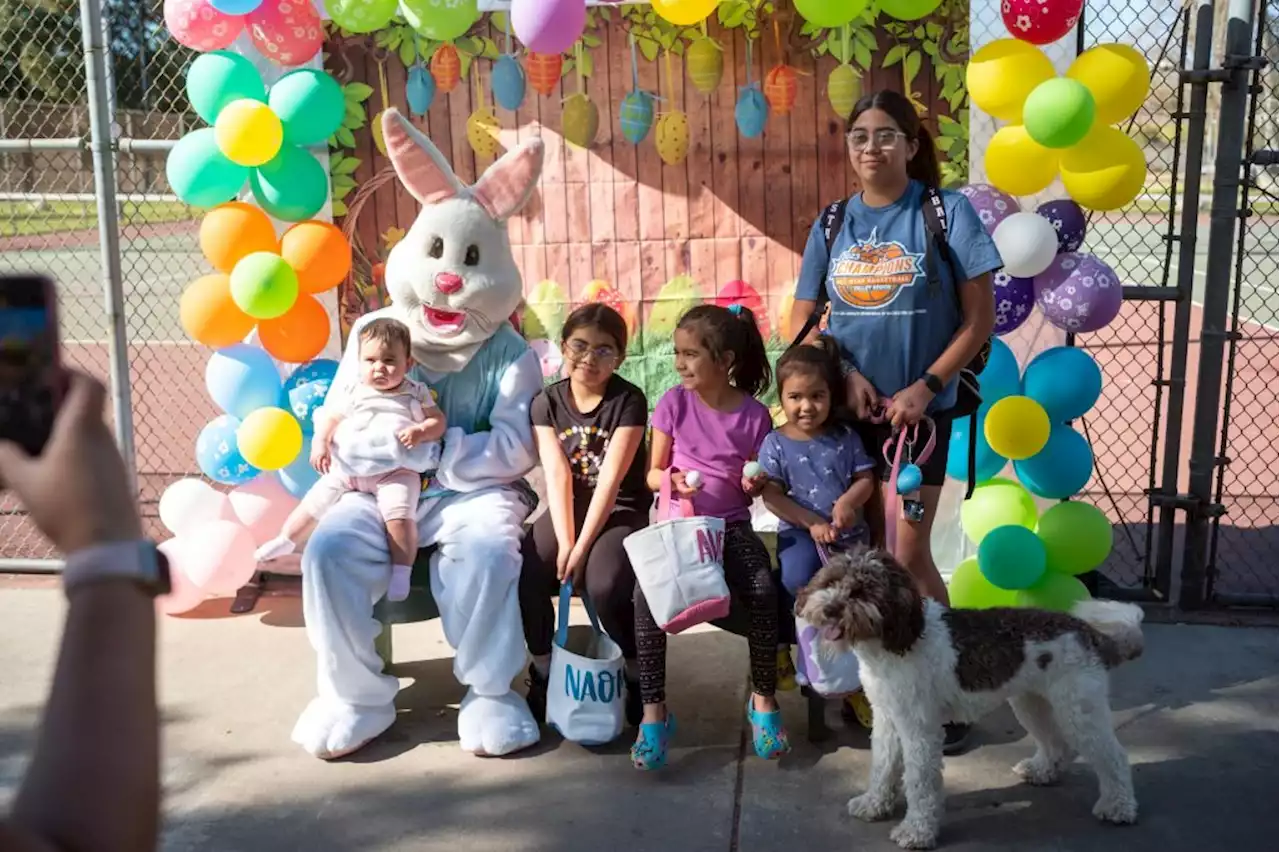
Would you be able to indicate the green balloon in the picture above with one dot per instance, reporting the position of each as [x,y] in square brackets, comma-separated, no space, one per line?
[1011,557]
[1076,536]
[441,20]
[830,13]
[292,186]
[996,503]
[1059,112]
[264,285]
[909,10]
[309,104]
[361,16]
[968,589]
[1056,592]
[200,174]
[219,77]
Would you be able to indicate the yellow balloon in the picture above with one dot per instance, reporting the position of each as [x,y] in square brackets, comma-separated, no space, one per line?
[1018,164]
[248,132]
[684,12]
[269,438]
[1003,73]
[1117,76]
[1017,427]
[1103,171]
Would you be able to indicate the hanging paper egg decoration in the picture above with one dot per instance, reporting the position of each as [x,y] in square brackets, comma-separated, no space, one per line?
[636,116]
[780,88]
[751,111]
[544,71]
[446,67]
[672,137]
[419,90]
[844,87]
[580,121]
[705,61]
[482,131]
[508,83]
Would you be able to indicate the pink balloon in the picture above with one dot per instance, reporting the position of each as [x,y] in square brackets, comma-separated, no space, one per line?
[262,506]
[217,556]
[288,32]
[184,595]
[199,26]
[548,26]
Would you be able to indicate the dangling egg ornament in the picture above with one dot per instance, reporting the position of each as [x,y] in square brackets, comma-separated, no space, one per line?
[705,61]
[910,479]
[636,116]
[419,90]
[580,121]
[672,137]
[482,131]
[751,112]
[780,88]
[844,87]
[544,71]
[446,67]
[508,83]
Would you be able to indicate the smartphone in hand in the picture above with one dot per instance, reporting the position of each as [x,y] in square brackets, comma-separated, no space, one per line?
[31,378]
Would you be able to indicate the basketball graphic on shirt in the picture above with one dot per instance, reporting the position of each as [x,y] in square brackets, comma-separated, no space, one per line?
[871,274]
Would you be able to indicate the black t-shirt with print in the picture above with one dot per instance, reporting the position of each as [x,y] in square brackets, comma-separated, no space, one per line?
[585,436]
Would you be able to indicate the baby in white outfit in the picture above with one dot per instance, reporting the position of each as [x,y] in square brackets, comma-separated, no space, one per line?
[386,406]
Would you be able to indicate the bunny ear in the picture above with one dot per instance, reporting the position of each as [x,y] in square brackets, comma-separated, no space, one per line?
[420,167]
[507,185]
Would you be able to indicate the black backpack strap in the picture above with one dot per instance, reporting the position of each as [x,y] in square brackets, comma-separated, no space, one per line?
[832,218]
[935,221]
[972,480]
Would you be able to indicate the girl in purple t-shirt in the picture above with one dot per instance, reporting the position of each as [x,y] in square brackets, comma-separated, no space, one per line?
[712,425]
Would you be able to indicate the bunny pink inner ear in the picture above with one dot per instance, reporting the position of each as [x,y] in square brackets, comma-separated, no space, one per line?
[418,164]
[507,185]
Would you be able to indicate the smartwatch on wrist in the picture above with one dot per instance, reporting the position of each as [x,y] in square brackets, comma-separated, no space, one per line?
[138,561]
[933,383]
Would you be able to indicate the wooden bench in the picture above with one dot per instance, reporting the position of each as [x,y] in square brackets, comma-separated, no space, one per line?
[421,606]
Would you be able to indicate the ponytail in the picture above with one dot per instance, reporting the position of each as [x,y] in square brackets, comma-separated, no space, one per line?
[924,165]
[732,331]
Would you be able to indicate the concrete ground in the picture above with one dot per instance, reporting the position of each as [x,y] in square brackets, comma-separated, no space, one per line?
[1198,714]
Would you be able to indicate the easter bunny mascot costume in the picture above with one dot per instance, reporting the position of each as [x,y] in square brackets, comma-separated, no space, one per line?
[454,283]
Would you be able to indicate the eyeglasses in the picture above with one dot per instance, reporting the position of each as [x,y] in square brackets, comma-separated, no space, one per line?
[883,137]
[578,351]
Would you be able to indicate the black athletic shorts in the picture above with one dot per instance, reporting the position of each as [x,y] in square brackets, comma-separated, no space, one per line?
[934,470]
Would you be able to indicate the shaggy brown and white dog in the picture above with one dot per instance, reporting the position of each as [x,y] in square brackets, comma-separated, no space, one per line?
[923,665]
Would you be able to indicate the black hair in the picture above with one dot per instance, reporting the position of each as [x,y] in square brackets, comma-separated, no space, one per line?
[732,330]
[389,332]
[924,165]
[821,359]
[596,315]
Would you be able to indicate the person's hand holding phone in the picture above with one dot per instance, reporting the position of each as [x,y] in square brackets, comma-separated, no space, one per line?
[76,491]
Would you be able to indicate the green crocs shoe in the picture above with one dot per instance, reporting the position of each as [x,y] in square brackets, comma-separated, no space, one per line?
[767,734]
[650,748]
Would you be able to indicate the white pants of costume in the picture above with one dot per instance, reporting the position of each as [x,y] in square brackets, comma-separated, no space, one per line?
[474,578]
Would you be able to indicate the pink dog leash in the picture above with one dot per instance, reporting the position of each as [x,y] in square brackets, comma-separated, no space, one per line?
[901,438]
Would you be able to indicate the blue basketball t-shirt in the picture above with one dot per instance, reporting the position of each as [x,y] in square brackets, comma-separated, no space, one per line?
[888,319]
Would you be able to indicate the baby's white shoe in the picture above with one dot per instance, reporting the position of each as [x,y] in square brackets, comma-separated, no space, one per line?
[275,549]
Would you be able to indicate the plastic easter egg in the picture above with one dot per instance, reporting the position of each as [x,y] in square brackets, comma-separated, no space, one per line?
[693,479]
[909,479]
[752,469]
[636,116]
[508,83]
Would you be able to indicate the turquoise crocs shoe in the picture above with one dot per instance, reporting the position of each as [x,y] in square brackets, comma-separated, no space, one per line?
[767,734]
[650,748]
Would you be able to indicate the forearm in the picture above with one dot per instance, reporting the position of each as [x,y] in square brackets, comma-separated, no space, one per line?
[602,501]
[433,425]
[787,509]
[94,780]
[801,310]
[861,490]
[560,501]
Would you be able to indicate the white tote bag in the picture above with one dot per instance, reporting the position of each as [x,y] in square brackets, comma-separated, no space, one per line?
[585,687]
[678,564]
[821,665]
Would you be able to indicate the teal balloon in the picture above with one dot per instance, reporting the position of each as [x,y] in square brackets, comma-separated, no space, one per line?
[219,77]
[1059,112]
[968,589]
[1061,468]
[309,104]
[218,454]
[1001,376]
[636,116]
[292,186]
[420,90]
[751,111]
[1012,557]
[989,462]
[200,174]
[509,82]
[1065,380]
[1056,592]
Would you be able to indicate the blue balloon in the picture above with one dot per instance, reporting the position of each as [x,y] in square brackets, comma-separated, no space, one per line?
[298,476]
[235,7]
[1059,470]
[241,379]
[508,82]
[305,390]
[218,454]
[1012,557]
[989,462]
[1065,380]
[1001,376]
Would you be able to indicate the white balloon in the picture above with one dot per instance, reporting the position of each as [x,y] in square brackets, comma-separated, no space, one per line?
[189,503]
[1027,243]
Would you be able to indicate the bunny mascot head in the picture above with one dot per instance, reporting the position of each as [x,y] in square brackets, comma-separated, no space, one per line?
[454,282]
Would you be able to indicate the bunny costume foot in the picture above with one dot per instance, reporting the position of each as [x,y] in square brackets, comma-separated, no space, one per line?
[453,282]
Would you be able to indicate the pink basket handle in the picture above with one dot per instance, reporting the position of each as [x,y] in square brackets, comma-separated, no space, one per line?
[664,500]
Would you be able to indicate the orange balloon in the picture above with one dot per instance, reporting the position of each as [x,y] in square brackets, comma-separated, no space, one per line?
[234,230]
[319,253]
[210,315]
[299,335]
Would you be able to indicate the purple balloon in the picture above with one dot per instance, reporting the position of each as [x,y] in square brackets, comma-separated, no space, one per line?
[1078,292]
[1014,300]
[991,205]
[1068,220]
[548,26]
